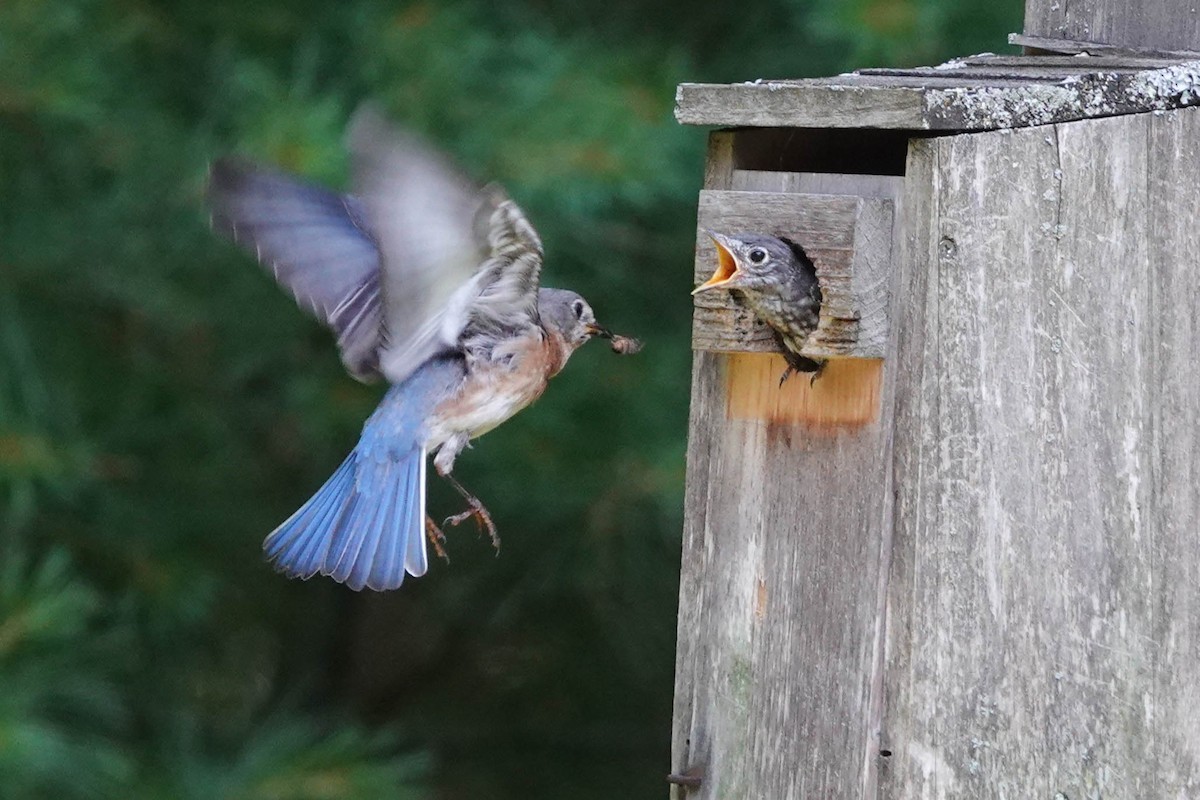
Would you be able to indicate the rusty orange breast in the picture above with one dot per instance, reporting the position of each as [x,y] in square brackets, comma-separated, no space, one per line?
[496,389]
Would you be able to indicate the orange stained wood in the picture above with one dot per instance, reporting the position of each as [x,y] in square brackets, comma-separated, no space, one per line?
[845,396]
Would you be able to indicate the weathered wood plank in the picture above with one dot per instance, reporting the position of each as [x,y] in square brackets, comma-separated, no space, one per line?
[1096,50]
[847,396]
[1088,63]
[930,622]
[915,318]
[914,79]
[1088,96]
[1160,24]
[690,736]
[778,625]
[855,306]
[1042,635]
[884,186]
[848,238]
[1174,518]
[799,105]
[937,103]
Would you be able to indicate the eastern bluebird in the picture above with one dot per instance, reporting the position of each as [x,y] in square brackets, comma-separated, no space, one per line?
[777,279]
[430,283]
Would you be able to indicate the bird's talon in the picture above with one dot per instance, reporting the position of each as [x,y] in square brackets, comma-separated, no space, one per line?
[475,509]
[437,538]
[817,372]
[455,520]
[482,519]
[493,534]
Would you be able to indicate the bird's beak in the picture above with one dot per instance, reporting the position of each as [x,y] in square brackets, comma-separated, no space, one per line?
[727,266]
[595,330]
[624,345]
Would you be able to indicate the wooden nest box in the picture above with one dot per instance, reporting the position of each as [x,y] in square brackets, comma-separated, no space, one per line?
[962,564]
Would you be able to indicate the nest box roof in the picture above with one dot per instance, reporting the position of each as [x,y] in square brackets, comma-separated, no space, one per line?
[982,92]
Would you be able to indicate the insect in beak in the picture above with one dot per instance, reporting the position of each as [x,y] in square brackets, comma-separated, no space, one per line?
[625,345]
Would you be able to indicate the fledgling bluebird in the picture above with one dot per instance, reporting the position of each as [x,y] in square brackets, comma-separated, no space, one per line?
[429,283]
[778,281]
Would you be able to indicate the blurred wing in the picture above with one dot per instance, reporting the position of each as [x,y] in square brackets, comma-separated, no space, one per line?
[316,243]
[453,256]
[421,210]
[506,286]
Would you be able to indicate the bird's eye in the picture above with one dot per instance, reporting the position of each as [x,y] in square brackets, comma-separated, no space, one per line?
[578,307]
[758,255]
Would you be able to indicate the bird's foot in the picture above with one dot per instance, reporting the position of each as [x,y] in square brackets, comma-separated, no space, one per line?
[814,372]
[436,538]
[482,518]
[817,372]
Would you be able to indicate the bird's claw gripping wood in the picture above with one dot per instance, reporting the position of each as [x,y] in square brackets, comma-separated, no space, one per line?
[813,373]
[437,538]
[817,373]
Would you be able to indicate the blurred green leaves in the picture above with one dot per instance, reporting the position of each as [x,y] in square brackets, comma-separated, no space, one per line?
[283,759]
[59,668]
[163,405]
[67,661]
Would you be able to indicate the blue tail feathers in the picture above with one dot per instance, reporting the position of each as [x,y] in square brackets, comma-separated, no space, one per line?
[365,527]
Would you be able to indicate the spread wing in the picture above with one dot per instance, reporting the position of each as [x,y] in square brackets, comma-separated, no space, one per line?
[456,260]
[316,244]
[419,262]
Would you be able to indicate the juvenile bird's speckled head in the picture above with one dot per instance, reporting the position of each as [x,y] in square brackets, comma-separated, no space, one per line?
[778,281]
[751,261]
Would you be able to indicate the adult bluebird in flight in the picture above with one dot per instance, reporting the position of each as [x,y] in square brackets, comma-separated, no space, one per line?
[778,281]
[430,283]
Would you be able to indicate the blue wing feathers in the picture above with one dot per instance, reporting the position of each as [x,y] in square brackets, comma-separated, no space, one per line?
[315,242]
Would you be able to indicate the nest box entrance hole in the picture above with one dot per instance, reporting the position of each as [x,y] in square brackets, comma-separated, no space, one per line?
[847,151]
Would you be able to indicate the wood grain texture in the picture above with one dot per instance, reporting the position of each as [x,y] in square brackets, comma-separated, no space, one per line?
[1043,637]
[846,396]
[785,533]
[1091,63]
[1174,518]
[1025,621]
[847,237]
[973,95]
[799,104]
[1158,24]
[1042,45]
[691,737]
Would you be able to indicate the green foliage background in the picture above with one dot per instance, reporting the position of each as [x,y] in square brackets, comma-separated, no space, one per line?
[163,405]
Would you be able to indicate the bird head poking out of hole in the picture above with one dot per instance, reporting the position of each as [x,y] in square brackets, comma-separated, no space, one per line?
[745,260]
